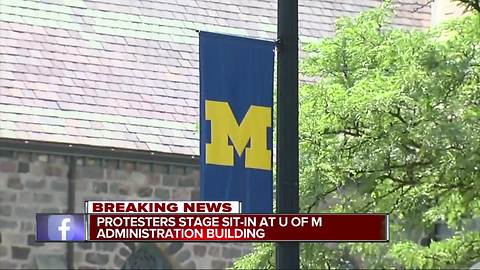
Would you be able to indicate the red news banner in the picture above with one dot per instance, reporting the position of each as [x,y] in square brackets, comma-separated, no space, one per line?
[238,227]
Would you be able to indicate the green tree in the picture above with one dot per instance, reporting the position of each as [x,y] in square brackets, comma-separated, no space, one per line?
[391,123]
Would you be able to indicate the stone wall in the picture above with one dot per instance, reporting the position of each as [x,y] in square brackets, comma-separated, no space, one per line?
[443,10]
[37,183]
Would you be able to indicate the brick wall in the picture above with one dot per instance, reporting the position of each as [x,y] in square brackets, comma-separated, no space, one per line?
[35,183]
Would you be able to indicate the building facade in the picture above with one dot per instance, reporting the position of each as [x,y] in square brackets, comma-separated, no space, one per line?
[36,182]
[99,100]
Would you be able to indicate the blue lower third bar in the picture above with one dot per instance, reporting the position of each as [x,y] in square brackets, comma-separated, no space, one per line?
[60,227]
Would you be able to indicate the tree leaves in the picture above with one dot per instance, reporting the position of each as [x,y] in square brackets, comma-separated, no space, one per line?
[391,124]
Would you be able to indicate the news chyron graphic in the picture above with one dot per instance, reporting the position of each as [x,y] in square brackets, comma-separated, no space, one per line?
[60,227]
[204,221]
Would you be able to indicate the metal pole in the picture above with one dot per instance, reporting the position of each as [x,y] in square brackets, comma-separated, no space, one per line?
[72,165]
[287,256]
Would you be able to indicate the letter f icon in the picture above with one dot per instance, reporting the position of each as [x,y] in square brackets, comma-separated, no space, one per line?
[64,228]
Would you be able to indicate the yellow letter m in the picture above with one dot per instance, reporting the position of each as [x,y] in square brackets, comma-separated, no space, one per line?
[253,129]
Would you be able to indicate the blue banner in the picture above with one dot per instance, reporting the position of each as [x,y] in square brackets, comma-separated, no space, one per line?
[236,99]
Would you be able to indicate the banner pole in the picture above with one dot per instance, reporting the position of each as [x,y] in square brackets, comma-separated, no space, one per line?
[287,255]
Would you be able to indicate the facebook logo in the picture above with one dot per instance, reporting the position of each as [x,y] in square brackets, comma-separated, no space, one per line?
[54,227]
[63,229]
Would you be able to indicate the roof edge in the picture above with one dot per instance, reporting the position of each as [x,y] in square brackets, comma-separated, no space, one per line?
[97,152]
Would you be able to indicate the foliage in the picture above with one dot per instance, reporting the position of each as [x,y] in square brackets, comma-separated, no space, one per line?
[470,5]
[391,123]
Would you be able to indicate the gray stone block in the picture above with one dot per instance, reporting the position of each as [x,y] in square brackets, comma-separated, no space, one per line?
[54,170]
[4,264]
[57,159]
[5,210]
[144,167]
[170,180]
[118,261]
[20,253]
[80,162]
[130,246]
[177,170]
[117,175]
[82,185]
[106,246]
[125,252]
[173,248]
[62,199]
[139,178]
[37,169]
[217,264]
[23,167]
[35,183]
[187,182]
[91,172]
[145,192]
[8,224]
[14,238]
[27,265]
[7,196]
[154,179]
[42,198]
[114,187]
[7,166]
[181,194]
[50,261]
[183,256]
[6,154]
[191,170]
[214,251]
[231,252]
[190,265]
[3,251]
[25,197]
[160,168]
[92,162]
[14,182]
[195,194]
[85,245]
[123,190]
[78,256]
[24,157]
[127,165]
[97,258]
[111,164]
[162,193]
[26,226]
[60,185]
[119,188]
[199,250]
[32,242]
[100,187]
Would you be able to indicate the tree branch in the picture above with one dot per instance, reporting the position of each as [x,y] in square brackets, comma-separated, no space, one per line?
[318,197]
